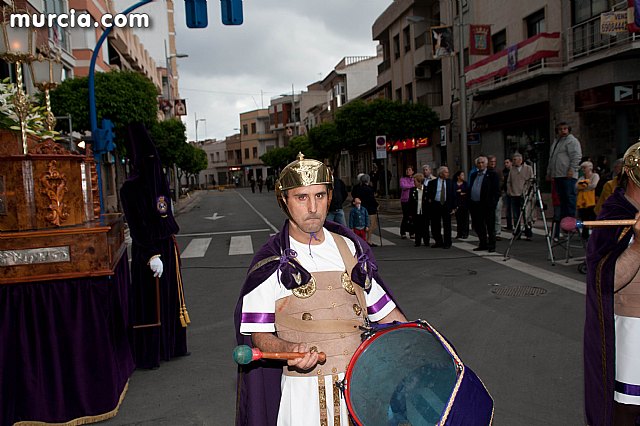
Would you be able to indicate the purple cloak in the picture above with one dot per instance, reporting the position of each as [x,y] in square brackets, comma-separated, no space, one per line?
[605,246]
[258,387]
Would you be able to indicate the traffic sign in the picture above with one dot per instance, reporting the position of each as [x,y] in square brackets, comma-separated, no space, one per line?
[381,147]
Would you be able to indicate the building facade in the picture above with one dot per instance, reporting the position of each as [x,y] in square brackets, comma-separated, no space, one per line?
[548,61]
[216,172]
[256,139]
[555,67]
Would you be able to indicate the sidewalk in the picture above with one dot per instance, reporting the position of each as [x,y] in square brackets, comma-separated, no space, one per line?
[185,203]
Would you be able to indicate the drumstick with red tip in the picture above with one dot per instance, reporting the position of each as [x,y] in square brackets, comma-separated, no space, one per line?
[569,224]
[244,354]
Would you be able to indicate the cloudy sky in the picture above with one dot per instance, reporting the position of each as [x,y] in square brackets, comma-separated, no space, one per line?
[282,43]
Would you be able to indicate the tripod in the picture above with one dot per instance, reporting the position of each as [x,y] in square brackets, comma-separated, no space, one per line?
[531,199]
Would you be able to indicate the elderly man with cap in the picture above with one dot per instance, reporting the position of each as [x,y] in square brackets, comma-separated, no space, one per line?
[308,289]
[612,326]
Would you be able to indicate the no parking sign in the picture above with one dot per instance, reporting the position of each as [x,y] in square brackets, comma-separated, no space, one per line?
[381,147]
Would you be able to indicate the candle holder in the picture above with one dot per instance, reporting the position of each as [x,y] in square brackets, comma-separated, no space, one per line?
[16,46]
[46,73]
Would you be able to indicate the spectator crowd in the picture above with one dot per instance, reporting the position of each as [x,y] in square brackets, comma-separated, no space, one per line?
[488,201]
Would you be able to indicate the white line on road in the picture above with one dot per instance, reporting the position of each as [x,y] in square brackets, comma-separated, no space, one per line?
[393,229]
[240,245]
[259,214]
[196,248]
[202,234]
[534,271]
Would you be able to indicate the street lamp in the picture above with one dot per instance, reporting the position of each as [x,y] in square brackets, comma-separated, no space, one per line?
[17,46]
[197,121]
[169,71]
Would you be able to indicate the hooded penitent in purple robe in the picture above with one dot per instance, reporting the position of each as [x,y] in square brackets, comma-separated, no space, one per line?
[605,246]
[146,203]
[258,390]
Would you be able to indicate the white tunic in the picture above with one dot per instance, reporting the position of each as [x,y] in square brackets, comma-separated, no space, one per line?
[627,357]
[299,402]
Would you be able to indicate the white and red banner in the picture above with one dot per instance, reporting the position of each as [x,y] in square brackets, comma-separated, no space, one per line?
[543,45]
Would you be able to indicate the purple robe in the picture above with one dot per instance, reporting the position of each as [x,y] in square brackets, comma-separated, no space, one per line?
[146,203]
[604,248]
[258,388]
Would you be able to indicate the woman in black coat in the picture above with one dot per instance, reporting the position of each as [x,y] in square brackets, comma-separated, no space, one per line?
[462,204]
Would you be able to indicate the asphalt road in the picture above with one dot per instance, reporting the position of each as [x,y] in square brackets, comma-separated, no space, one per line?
[527,349]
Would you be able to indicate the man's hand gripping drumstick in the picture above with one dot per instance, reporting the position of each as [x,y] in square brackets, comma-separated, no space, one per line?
[244,354]
[305,360]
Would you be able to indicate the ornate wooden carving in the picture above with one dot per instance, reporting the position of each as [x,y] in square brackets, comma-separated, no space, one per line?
[49,146]
[54,186]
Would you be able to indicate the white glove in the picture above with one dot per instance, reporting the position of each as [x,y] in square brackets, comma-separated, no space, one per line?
[156,266]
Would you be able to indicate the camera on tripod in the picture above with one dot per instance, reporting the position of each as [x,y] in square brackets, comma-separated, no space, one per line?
[534,150]
[531,191]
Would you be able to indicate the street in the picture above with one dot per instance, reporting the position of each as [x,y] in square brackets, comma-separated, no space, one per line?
[517,323]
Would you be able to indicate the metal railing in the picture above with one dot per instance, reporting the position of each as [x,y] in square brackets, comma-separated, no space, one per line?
[586,39]
[543,66]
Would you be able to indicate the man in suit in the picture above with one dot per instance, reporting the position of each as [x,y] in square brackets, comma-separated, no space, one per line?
[485,192]
[441,196]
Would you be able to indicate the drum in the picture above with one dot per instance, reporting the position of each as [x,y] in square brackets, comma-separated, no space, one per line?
[408,374]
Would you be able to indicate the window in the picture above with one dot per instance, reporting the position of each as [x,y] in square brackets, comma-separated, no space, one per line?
[255,152]
[229,155]
[396,46]
[499,41]
[535,23]
[246,153]
[409,91]
[406,35]
[211,158]
[217,156]
[583,10]
[399,94]
[339,94]
[245,129]
[253,128]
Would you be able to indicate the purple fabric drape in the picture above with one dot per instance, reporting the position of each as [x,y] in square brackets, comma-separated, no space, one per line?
[64,348]
[605,245]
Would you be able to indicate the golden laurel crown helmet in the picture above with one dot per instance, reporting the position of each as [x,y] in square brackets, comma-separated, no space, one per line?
[632,163]
[302,172]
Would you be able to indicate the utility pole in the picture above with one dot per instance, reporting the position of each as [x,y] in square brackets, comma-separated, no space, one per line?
[464,162]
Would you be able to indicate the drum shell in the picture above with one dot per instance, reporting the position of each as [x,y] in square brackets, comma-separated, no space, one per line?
[461,398]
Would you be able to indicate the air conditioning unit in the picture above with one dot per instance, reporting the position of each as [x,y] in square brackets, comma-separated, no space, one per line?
[423,72]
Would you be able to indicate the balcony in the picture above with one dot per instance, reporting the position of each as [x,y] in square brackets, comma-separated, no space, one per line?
[535,56]
[384,65]
[431,99]
[585,42]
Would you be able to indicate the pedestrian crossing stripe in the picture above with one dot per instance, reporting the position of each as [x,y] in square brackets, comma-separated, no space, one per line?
[240,245]
[197,248]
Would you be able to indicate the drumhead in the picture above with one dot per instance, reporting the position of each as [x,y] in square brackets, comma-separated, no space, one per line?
[400,376]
